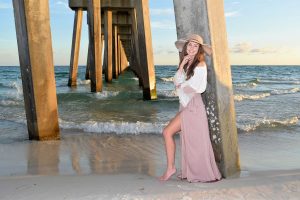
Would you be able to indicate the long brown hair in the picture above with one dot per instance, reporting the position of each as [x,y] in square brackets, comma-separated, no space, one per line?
[199,57]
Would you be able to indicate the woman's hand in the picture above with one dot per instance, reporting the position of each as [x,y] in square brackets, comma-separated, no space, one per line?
[185,60]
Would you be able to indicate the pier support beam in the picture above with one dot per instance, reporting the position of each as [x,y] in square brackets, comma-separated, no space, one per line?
[145,49]
[88,61]
[206,18]
[94,21]
[119,54]
[37,71]
[115,62]
[124,60]
[75,47]
[108,37]
[135,65]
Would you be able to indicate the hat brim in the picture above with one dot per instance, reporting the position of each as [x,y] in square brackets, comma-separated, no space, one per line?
[181,42]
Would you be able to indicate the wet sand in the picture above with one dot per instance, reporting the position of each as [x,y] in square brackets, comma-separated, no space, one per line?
[88,166]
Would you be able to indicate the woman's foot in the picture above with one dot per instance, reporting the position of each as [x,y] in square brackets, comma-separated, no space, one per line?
[167,175]
[180,176]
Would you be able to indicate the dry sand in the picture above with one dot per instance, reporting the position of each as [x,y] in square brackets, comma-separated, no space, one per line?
[126,167]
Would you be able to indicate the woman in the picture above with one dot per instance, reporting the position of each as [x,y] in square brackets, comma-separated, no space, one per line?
[197,157]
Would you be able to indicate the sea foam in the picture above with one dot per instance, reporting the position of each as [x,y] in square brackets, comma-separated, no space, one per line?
[120,127]
[269,123]
[241,97]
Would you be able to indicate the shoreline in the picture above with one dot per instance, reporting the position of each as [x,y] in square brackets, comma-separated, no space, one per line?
[260,185]
[89,166]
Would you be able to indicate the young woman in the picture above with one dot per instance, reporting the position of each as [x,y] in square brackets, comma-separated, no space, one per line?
[197,157]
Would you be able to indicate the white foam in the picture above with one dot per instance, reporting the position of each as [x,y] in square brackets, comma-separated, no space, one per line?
[251,84]
[289,91]
[9,103]
[241,97]
[106,94]
[83,82]
[269,123]
[135,78]
[18,86]
[167,93]
[169,79]
[114,127]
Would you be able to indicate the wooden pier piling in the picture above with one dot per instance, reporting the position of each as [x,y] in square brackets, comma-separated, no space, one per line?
[75,47]
[37,70]
[115,62]
[145,49]
[108,38]
[206,18]
[94,18]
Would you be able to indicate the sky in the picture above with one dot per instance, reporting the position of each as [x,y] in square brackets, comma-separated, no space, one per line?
[259,32]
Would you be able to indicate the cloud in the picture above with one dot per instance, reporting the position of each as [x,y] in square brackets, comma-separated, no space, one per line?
[5,5]
[246,47]
[264,50]
[63,3]
[232,14]
[167,11]
[165,24]
[243,47]
[160,50]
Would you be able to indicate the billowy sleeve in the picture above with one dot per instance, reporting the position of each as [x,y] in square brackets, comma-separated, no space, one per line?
[179,78]
[197,83]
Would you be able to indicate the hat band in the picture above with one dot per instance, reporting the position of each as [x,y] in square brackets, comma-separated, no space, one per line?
[193,40]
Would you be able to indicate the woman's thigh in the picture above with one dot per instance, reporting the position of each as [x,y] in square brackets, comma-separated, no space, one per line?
[174,125]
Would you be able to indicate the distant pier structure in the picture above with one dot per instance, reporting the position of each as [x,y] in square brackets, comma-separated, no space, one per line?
[122,29]
[126,37]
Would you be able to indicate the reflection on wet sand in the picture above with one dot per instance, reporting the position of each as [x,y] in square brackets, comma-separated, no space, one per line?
[43,157]
[105,154]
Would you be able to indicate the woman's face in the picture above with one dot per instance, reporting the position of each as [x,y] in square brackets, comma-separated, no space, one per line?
[192,48]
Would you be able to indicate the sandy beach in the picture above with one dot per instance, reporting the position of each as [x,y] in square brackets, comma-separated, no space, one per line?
[87,166]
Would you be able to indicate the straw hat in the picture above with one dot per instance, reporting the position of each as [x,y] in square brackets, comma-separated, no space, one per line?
[195,38]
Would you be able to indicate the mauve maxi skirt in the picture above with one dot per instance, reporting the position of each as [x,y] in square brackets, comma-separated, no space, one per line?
[197,157]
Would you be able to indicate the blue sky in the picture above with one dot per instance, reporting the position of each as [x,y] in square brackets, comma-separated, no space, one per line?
[260,32]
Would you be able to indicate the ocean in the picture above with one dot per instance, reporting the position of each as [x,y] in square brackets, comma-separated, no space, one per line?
[266,101]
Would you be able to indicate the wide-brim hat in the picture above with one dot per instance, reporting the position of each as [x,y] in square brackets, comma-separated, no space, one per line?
[195,38]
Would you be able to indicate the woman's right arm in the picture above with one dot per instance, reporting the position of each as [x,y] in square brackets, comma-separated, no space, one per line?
[179,78]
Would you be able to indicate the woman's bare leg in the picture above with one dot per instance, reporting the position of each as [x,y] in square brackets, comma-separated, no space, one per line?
[169,131]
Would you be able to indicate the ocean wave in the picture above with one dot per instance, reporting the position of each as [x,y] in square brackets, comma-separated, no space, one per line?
[114,127]
[167,93]
[241,97]
[83,82]
[249,84]
[268,123]
[135,78]
[288,91]
[10,103]
[169,79]
[106,94]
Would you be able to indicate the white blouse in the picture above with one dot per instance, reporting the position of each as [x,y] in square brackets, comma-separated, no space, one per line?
[196,84]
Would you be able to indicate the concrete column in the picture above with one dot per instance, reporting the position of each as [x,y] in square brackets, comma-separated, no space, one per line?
[88,63]
[75,47]
[115,53]
[119,54]
[37,70]
[124,61]
[103,50]
[135,66]
[206,18]
[145,49]
[94,16]
[108,44]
